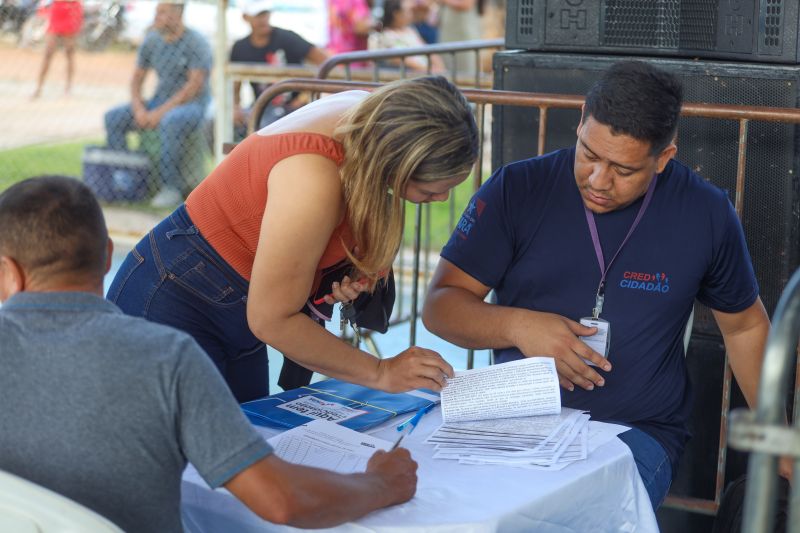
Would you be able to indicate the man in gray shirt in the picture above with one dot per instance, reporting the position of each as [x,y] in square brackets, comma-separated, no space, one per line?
[181,58]
[107,409]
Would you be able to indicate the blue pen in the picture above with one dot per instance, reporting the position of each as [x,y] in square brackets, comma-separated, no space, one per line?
[408,426]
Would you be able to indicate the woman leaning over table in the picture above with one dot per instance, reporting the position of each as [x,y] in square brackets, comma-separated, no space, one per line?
[240,261]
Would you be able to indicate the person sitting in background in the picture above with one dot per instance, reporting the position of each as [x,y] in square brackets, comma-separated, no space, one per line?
[397,32]
[106,409]
[182,59]
[273,46]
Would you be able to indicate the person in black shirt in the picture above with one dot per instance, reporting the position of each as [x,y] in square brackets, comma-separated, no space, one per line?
[273,46]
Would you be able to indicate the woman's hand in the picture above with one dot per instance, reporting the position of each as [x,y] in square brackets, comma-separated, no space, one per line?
[413,368]
[345,291]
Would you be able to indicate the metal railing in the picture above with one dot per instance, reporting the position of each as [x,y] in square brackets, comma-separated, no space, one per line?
[261,72]
[763,431]
[544,102]
[378,57]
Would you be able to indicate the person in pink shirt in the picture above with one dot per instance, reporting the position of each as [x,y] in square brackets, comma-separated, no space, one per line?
[349,24]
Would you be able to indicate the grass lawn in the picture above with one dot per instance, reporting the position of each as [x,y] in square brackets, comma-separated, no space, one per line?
[62,158]
[440,217]
[65,159]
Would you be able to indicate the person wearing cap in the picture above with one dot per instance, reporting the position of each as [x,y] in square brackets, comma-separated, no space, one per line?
[182,59]
[273,46]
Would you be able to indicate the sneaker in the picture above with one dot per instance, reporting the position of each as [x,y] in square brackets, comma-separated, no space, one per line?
[167,197]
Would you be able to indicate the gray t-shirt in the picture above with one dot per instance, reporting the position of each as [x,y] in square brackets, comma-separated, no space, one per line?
[106,409]
[172,62]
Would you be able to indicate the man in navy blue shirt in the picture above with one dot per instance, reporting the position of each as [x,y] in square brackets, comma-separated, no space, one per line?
[596,255]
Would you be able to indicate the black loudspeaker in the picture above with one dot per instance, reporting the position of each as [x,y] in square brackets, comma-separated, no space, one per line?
[696,475]
[771,208]
[744,30]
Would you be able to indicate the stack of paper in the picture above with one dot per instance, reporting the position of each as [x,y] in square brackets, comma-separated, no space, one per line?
[511,414]
[546,442]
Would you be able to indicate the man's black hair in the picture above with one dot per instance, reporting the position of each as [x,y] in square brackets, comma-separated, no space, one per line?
[53,226]
[639,100]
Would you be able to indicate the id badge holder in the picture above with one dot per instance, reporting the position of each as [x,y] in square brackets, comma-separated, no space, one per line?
[600,341]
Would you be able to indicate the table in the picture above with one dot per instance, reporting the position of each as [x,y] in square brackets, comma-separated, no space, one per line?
[603,493]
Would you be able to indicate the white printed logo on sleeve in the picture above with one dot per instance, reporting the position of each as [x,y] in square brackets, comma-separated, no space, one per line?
[313,407]
[599,342]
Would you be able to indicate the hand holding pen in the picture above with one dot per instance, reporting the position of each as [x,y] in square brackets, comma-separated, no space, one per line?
[409,425]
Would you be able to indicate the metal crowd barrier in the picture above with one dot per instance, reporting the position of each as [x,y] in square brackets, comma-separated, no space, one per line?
[544,102]
[261,72]
[763,431]
[378,57]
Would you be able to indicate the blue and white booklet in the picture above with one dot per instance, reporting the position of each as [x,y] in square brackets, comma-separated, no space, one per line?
[346,404]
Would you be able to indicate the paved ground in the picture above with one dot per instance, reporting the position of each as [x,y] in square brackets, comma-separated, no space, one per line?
[128,225]
[101,81]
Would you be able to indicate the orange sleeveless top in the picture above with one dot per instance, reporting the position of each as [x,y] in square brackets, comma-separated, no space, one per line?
[227,206]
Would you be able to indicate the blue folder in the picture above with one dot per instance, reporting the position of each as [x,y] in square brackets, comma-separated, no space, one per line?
[372,406]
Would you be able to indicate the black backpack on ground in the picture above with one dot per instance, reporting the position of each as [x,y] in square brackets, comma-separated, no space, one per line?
[731,508]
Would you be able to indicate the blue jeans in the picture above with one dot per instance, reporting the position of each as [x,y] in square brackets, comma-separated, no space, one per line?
[652,462]
[174,277]
[174,128]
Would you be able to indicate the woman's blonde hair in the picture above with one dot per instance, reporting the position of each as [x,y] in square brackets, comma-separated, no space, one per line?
[418,129]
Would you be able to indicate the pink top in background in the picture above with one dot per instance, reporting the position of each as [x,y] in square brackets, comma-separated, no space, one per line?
[342,15]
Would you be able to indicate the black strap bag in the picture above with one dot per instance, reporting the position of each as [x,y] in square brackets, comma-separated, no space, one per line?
[372,311]
[731,507]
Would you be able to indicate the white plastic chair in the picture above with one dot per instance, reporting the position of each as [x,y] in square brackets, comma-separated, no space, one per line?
[26,507]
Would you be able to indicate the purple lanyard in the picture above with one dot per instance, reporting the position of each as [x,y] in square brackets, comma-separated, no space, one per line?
[598,250]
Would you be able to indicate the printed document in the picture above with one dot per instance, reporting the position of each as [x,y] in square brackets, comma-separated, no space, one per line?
[324,444]
[510,414]
[527,387]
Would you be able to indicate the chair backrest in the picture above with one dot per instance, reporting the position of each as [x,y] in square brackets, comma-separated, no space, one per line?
[27,507]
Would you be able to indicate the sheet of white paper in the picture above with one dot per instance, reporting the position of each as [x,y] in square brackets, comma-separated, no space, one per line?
[521,388]
[602,432]
[323,444]
[573,437]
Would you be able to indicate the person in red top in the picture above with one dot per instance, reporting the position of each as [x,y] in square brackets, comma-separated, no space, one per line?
[66,19]
[242,262]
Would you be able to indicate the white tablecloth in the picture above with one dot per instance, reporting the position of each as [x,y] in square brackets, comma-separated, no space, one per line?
[602,493]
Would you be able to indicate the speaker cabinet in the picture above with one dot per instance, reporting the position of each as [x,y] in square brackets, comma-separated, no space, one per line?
[744,30]
[696,475]
[771,208]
